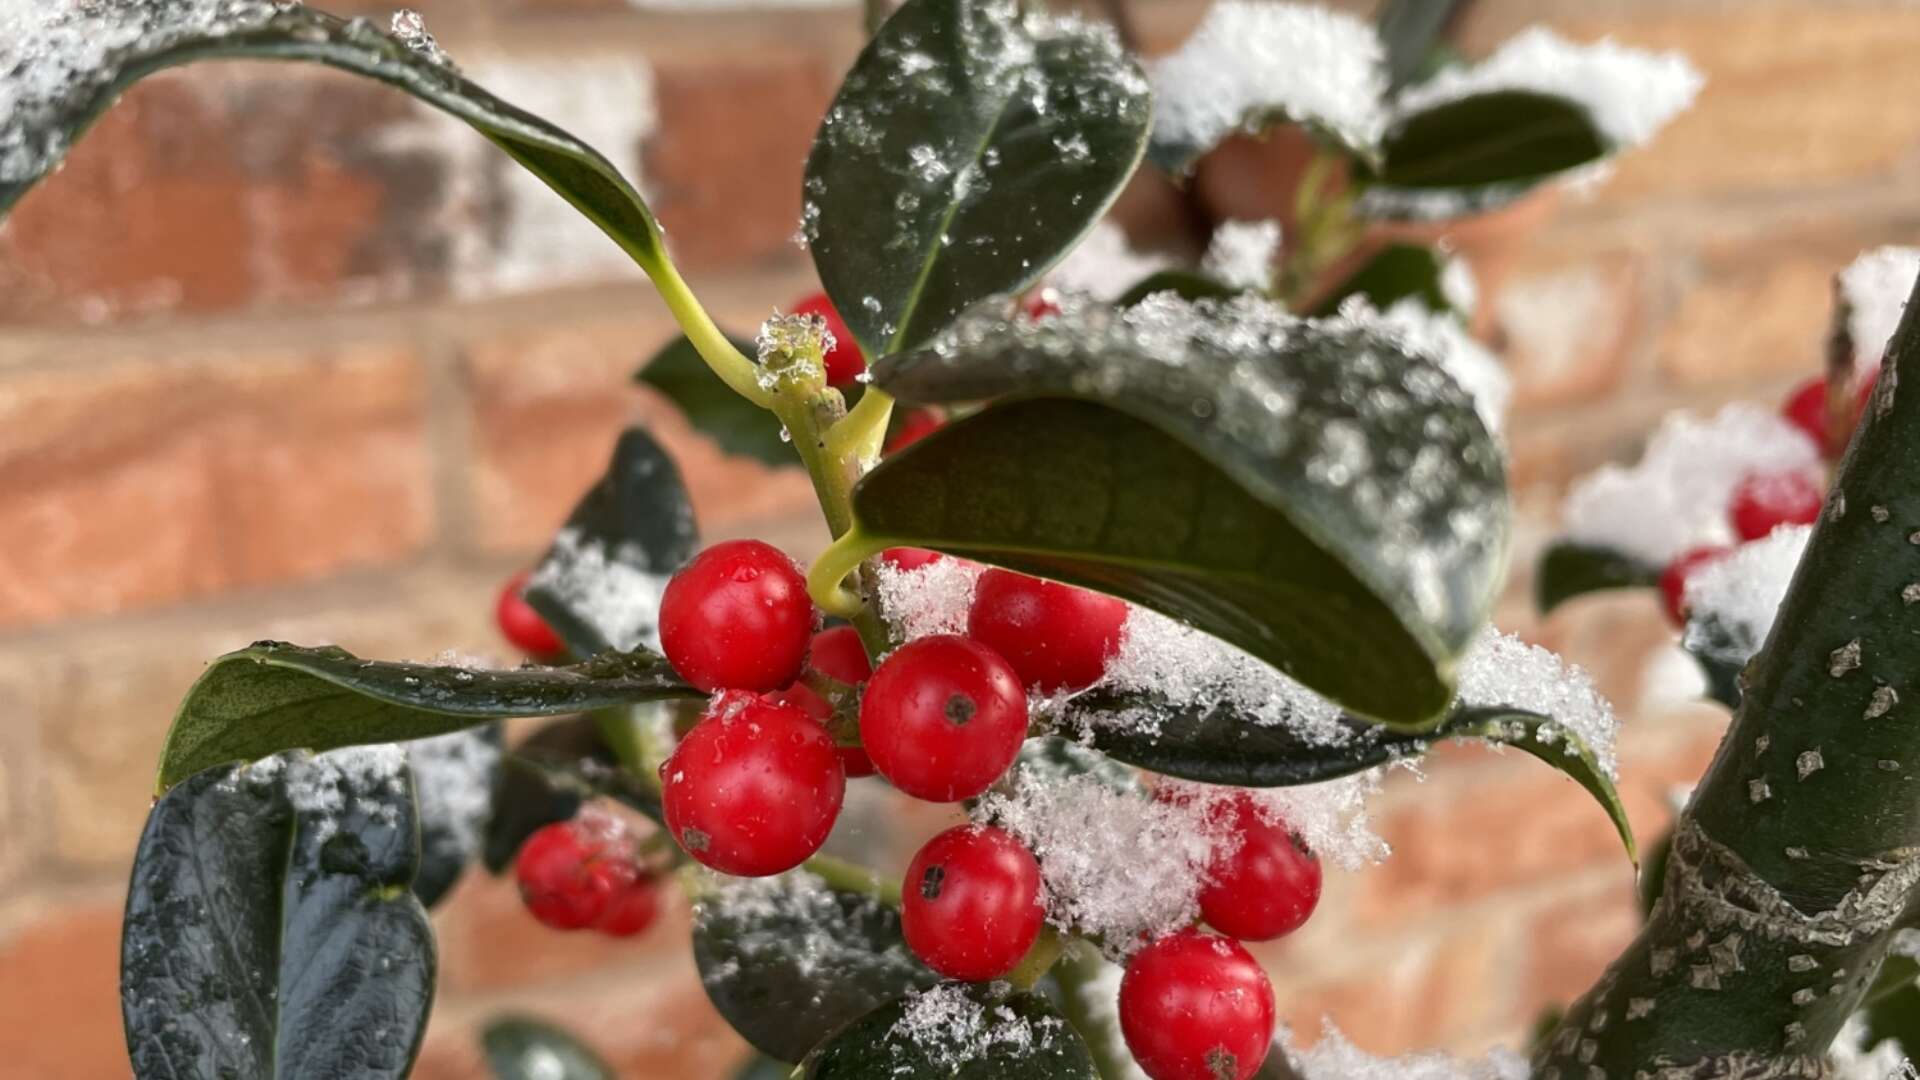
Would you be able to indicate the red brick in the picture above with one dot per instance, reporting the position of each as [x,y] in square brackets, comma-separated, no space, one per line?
[143,482]
[60,1001]
[1568,331]
[724,167]
[1571,943]
[229,187]
[548,407]
[1424,993]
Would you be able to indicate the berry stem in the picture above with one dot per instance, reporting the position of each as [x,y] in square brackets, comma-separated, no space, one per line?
[826,576]
[843,876]
[859,436]
[740,374]
[1039,959]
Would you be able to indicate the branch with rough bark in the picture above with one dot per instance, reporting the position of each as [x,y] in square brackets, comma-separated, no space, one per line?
[1799,854]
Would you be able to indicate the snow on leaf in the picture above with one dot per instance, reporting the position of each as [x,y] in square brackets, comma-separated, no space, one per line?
[1103,265]
[1630,93]
[606,590]
[1675,498]
[1876,286]
[1443,337]
[1502,670]
[1335,1058]
[951,1028]
[1732,600]
[1249,62]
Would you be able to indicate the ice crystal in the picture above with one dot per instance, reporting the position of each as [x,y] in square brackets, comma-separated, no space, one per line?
[1675,498]
[1250,62]
[952,1029]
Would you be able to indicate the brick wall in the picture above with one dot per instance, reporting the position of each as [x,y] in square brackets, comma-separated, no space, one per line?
[283,355]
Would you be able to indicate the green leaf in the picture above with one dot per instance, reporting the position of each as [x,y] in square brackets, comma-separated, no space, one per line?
[523,1048]
[271,697]
[1476,153]
[787,960]
[968,149]
[1217,744]
[270,931]
[599,585]
[736,425]
[1186,284]
[1568,570]
[1394,273]
[1017,1037]
[448,772]
[1307,492]
[570,167]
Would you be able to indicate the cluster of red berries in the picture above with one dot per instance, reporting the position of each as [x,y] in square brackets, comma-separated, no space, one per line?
[1764,502]
[586,874]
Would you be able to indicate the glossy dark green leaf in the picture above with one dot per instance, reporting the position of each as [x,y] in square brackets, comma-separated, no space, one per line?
[599,584]
[1568,570]
[454,777]
[1557,746]
[1017,1037]
[1396,272]
[1722,650]
[1499,137]
[1307,492]
[1186,284]
[270,931]
[968,149]
[1412,32]
[271,696]
[787,961]
[735,425]
[574,170]
[523,1048]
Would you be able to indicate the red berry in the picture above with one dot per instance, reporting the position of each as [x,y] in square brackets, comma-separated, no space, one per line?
[943,717]
[1196,1007]
[844,361]
[1041,303]
[570,871]
[1267,886]
[1806,409]
[754,788]
[970,906]
[1763,502]
[737,618]
[522,625]
[633,909]
[838,654]
[910,558]
[1056,637]
[915,424]
[1673,580]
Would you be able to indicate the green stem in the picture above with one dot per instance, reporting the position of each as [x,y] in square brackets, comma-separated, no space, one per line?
[1039,959]
[843,876]
[860,436]
[1076,973]
[825,579]
[735,369]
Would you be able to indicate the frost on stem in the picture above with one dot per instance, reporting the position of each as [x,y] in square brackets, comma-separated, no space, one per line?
[1875,287]
[1630,93]
[1733,600]
[1248,63]
[605,587]
[1675,498]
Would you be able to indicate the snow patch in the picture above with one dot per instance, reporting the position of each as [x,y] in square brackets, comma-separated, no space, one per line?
[604,588]
[1442,337]
[1335,1058]
[1248,61]
[1242,253]
[1500,669]
[1732,600]
[1876,286]
[1103,265]
[1676,497]
[952,1029]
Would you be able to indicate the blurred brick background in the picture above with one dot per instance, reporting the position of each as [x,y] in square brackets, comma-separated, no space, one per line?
[283,355]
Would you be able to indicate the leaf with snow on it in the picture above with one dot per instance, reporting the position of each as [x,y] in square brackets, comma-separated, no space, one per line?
[1675,498]
[1443,337]
[1731,602]
[1875,287]
[1250,65]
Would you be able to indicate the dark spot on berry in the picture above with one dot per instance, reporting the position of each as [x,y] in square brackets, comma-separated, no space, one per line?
[1300,845]
[931,881]
[693,840]
[960,709]
[1222,1064]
